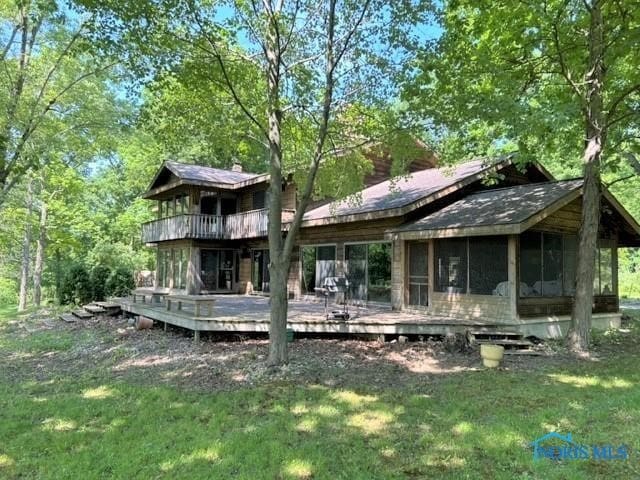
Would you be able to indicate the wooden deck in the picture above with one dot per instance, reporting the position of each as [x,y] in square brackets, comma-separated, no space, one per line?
[241,313]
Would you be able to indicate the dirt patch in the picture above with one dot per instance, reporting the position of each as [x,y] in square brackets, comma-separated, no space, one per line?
[112,347]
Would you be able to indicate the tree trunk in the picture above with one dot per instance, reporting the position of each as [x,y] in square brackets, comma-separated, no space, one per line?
[39,265]
[579,334]
[26,251]
[278,261]
[58,275]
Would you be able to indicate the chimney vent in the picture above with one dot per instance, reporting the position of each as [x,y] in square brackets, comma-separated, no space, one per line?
[236,167]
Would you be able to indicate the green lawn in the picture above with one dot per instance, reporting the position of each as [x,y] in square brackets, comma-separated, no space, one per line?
[475,424]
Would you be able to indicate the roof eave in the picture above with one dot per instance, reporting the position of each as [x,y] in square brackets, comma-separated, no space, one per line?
[475,231]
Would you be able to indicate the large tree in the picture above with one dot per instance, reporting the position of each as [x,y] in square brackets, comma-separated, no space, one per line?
[52,86]
[557,79]
[312,62]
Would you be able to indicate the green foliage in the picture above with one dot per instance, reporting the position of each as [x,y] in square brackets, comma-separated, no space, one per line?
[55,91]
[121,282]
[99,276]
[8,292]
[509,75]
[76,285]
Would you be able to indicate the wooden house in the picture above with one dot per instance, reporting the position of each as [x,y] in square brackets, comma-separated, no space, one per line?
[483,241]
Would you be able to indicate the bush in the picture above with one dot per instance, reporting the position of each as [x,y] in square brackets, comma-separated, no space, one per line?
[120,282]
[76,285]
[99,278]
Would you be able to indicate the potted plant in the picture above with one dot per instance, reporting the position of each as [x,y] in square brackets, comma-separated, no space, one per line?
[491,354]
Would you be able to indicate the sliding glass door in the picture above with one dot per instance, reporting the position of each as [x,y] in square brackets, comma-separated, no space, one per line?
[216,270]
[260,270]
[369,271]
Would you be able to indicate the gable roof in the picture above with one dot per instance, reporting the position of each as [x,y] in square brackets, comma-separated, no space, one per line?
[403,194]
[200,175]
[508,210]
[207,174]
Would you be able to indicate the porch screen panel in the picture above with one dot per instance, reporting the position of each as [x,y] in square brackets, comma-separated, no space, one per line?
[451,265]
[488,265]
[606,272]
[418,274]
[379,272]
[603,272]
[570,257]
[356,259]
[551,265]
[530,264]
[325,263]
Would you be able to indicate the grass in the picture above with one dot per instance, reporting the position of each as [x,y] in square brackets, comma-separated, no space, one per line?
[475,424]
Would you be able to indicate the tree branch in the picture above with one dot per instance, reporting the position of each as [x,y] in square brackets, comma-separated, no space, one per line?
[322,133]
[225,74]
[618,101]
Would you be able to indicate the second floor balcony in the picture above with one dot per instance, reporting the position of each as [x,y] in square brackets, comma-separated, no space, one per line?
[251,224]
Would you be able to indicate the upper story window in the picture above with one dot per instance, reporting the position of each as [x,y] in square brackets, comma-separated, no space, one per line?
[176,205]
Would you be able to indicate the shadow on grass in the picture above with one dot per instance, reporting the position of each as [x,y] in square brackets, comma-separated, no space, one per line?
[471,425]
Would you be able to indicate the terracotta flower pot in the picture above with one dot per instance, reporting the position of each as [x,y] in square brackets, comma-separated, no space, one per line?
[143,323]
[491,355]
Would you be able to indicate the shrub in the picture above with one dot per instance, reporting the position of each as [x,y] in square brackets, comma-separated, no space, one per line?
[120,282]
[76,285]
[8,292]
[99,277]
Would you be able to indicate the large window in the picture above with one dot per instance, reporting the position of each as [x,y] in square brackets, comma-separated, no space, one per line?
[368,268]
[181,264]
[548,266]
[476,265]
[164,268]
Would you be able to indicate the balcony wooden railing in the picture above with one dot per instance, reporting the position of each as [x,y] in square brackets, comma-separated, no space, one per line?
[249,224]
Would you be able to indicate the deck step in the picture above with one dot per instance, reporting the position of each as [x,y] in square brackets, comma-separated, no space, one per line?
[92,308]
[491,333]
[67,317]
[524,351]
[506,342]
[107,305]
[83,314]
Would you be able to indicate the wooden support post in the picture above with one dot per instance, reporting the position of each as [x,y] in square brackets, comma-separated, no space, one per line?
[165,326]
[431,272]
[513,276]
[196,336]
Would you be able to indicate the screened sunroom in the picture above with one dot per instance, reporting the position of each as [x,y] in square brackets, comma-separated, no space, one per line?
[508,254]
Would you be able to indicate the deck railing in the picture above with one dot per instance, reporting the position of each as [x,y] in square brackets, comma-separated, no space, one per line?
[251,224]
